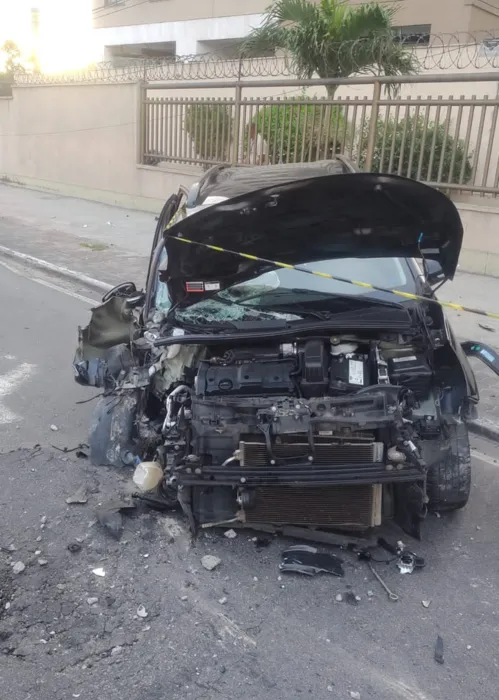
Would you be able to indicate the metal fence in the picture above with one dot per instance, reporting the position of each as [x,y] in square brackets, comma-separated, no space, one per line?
[450,142]
[432,52]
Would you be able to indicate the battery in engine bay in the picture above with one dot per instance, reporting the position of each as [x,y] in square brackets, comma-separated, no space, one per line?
[348,373]
[410,370]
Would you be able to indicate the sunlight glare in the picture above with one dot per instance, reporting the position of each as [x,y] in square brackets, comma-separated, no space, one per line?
[66,40]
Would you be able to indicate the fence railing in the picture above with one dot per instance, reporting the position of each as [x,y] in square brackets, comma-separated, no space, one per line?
[450,143]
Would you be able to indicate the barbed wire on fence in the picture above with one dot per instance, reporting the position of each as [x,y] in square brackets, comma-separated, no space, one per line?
[434,52]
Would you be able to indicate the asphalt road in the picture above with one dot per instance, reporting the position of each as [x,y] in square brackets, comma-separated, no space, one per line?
[239,631]
[38,336]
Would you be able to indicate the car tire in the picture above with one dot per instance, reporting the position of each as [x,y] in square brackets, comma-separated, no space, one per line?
[449,480]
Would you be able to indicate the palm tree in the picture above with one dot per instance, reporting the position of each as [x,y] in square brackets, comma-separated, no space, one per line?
[332,39]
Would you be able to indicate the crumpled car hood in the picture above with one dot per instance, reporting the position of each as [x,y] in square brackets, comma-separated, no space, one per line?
[337,216]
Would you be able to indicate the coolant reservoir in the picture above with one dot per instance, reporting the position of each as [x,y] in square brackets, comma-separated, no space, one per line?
[343,348]
[148,475]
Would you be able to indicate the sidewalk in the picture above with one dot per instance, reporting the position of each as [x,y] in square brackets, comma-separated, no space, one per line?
[113,245]
[97,240]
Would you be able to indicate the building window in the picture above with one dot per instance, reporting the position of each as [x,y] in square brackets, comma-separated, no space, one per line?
[413,33]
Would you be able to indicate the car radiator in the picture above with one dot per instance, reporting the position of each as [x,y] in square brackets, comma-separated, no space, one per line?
[339,507]
[342,506]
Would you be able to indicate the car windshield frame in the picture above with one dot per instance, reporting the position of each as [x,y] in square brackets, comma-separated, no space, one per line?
[407,283]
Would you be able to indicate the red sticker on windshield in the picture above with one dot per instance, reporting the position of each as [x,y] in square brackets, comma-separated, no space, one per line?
[194,287]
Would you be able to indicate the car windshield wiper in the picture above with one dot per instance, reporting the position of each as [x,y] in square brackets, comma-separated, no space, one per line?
[320,297]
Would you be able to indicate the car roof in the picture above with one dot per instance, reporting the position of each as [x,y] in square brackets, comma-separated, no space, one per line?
[227,182]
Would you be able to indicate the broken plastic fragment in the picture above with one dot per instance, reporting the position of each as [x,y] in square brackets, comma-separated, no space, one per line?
[439,650]
[426,603]
[99,572]
[408,562]
[303,559]
[230,534]
[109,516]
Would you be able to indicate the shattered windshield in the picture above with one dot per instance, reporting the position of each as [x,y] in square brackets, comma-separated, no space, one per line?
[291,294]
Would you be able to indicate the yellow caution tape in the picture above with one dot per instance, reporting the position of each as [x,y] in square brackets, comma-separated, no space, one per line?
[356,283]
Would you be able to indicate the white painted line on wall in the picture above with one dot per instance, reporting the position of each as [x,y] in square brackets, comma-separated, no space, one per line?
[8,384]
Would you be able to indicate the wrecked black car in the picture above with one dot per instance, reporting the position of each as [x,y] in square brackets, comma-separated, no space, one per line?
[250,386]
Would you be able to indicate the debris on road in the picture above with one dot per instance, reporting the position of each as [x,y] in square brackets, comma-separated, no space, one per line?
[439,650]
[80,496]
[393,596]
[18,567]
[209,562]
[409,561]
[42,562]
[339,598]
[112,521]
[303,559]
[110,516]
[222,600]
[99,572]
[426,603]
[487,328]
[141,611]
[230,534]
[54,428]
[92,601]
[351,598]
[74,547]
[262,542]
[354,695]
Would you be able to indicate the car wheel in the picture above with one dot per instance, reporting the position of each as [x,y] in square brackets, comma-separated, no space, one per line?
[449,480]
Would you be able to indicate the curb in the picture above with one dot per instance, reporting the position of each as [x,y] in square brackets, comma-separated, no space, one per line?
[485,429]
[64,272]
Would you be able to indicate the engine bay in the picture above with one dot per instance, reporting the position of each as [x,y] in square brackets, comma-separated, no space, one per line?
[234,426]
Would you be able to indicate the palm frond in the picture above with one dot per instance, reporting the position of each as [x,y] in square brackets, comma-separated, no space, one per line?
[295,11]
[332,38]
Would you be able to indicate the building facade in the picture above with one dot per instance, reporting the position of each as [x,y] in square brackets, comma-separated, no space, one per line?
[162,28]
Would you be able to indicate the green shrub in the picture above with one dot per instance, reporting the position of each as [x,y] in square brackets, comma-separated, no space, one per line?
[430,146]
[298,132]
[210,126]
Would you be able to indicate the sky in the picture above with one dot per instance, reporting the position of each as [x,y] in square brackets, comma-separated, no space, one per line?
[65,37]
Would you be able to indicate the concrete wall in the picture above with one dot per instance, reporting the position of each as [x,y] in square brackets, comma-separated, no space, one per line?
[444,15]
[82,140]
[135,13]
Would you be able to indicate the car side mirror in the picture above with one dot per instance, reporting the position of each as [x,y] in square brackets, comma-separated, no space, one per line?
[125,289]
[434,272]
